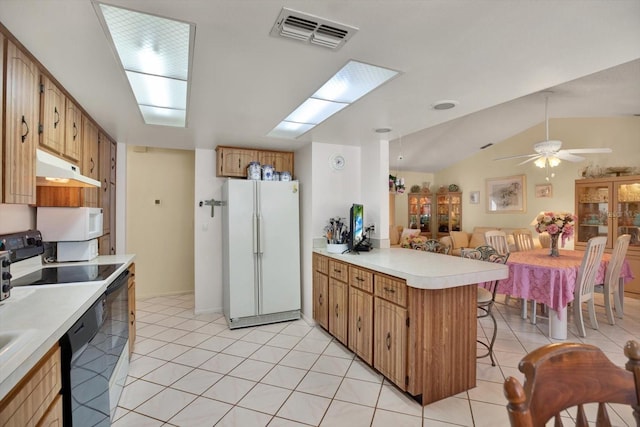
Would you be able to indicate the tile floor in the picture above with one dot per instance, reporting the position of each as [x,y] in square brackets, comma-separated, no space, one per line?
[191,370]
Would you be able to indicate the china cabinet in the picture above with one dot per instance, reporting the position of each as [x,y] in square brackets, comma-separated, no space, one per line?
[419,210]
[610,207]
[449,211]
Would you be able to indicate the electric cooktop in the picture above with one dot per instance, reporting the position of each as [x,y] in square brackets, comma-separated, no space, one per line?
[66,274]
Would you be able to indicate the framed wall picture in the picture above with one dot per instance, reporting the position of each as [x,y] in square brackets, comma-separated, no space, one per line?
[544,190]
[474,197]
[506,194]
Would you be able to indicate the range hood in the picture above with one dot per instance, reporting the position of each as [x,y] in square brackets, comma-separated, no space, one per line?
[54,171]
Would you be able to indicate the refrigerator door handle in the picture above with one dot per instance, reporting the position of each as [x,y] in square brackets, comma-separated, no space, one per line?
[260,235]
[255,234]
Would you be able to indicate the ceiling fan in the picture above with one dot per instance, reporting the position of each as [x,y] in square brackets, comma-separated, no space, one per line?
[548,153]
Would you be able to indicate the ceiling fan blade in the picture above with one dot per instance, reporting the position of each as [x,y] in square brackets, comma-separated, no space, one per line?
[536,157]
[517,157]
[566,155]
[588,150]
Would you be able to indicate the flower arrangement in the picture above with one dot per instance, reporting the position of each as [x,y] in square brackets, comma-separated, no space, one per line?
[556,223]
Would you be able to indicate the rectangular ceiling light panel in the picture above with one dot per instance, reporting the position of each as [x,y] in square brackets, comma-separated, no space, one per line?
[351,83]
[156,54]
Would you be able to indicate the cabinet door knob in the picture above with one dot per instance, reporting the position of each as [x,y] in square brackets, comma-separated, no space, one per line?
[24,124]
[359,323]
[388,340]
[336,310]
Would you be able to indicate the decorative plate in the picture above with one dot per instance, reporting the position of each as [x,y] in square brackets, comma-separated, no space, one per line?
[336,161]
[453,188]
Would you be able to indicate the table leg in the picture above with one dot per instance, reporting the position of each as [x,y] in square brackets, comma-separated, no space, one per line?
[620,310]
[558,327]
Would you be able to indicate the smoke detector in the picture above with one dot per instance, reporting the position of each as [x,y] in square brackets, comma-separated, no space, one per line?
[311,29]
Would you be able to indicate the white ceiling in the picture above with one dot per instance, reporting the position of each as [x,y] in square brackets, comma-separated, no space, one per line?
[492,56]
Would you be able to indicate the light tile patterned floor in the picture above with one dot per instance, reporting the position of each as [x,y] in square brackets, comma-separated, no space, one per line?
[191,370]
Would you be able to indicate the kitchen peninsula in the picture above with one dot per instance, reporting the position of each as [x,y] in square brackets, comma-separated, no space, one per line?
[409,314]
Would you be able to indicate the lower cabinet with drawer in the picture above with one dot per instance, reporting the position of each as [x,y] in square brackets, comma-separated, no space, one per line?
[36,400]
[423,340]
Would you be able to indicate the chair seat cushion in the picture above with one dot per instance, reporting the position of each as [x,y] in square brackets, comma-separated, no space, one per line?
[484,296]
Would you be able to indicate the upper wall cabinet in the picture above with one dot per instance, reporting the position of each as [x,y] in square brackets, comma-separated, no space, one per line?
[73,132]
[52,110]
[233,161]
[21,127]
[61,122]
[89,165]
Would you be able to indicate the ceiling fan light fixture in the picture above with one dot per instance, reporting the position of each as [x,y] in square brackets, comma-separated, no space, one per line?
[553,161]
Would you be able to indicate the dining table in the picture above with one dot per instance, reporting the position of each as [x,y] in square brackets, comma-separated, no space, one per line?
[535,275]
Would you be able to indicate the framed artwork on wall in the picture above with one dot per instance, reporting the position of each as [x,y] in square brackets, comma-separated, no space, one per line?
[505,195]
[544,190]
[474,197]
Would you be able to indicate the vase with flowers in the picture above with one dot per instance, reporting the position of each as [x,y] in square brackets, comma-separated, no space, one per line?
[558,225]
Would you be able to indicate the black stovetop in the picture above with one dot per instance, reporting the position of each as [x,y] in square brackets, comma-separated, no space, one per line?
[66,274]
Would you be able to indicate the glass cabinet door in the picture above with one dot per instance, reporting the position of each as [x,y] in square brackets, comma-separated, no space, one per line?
[455,216]
[443,213]
[592,210]
[425,214]
[627,206]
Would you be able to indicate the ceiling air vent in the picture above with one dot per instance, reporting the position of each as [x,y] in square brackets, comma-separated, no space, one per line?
[311,29]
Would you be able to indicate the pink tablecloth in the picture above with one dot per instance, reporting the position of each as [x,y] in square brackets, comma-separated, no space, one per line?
[535,275]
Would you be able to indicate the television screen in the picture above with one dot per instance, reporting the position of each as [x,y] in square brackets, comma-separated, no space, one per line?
[357,225]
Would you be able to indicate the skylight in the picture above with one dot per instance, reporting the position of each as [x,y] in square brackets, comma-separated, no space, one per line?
[155,53]
[351,83]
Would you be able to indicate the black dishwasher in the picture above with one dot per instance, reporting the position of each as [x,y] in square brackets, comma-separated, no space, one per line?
[90,352]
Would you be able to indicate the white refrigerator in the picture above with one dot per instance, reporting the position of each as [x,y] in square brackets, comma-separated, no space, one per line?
[261,252]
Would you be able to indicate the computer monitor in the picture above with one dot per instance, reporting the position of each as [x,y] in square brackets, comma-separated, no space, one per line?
[356,222]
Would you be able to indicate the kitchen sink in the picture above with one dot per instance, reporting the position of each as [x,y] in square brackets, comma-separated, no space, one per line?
[11,342]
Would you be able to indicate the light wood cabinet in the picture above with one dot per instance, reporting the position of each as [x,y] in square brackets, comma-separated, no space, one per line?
[104,172]
[321,290]
[419,211]
[132,306]
[52,116]
[233,161]
[423,340]
[20,127]
[280,160]
[73,133]
[90,163]
[338,299]
[390,325]
[449,212]
[35,400]
[361,313]
[610,207]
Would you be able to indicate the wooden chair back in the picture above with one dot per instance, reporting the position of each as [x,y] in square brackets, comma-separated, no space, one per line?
[585,282]
[612,277]
[523,240]
[497,239]
[566,375]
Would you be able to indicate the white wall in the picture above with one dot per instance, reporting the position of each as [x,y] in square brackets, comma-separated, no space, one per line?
[14,218]
[207,241]
[160,234]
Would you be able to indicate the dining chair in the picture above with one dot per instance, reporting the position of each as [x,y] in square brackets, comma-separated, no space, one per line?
[523,240]
[612,277]
[585,282]
[560,376]
[487,293]
[497,239]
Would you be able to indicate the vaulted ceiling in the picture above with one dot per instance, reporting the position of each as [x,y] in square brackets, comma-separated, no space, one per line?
[492,57]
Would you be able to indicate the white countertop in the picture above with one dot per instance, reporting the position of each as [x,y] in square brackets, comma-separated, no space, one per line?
[46,313]
[424,270]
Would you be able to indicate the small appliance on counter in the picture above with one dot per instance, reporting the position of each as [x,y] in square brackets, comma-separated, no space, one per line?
[74,230]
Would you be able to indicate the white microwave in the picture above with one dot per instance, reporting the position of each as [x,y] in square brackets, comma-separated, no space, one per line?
[69,224]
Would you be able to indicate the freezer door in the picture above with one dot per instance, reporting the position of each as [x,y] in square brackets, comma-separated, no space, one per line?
[239,223]
[279,246]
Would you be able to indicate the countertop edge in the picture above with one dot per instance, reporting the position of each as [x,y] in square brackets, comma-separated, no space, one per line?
[423,270]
